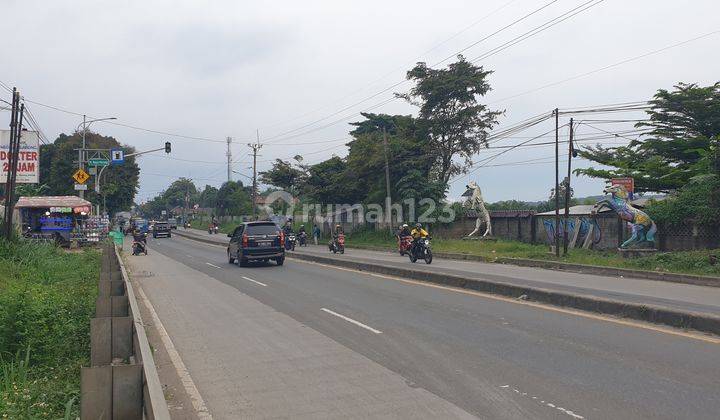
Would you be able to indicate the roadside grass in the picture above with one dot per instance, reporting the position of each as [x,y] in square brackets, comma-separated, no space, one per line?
[225,227]
[702,262]
[47,297]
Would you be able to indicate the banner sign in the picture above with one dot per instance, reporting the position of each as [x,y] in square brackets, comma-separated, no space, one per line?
[28,168]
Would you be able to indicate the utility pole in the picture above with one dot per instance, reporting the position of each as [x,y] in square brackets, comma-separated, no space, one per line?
[388,199]
[257,146]
[571,150]
[557,182]
[13,149]
[81,152]
[229,160]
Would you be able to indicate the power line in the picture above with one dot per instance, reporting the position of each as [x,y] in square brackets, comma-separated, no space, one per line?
[405,80]
[419,58]
[619,63]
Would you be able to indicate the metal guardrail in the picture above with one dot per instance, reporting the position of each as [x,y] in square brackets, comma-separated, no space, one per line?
[122,381]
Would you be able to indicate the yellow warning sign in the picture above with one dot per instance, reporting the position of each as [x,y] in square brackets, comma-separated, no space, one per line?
[80,176]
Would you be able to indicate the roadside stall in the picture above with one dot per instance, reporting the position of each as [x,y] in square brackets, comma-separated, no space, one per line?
[61,219]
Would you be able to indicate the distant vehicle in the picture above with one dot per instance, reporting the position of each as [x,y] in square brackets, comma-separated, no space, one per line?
[173,223]
[256,241]
[161,229]
[141,224]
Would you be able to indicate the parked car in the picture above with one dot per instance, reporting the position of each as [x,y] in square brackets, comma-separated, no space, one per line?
[161,229]
[256,241]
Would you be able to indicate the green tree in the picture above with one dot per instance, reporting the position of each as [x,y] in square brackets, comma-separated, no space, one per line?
[208,197]
[681,143]
[450,116]
[234,199]
[286,175]
[58,163]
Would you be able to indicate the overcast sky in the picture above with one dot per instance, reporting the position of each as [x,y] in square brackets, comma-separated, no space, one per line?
[285,68]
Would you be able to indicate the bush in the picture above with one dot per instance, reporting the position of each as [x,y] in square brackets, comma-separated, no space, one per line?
[47,297]
[696,202]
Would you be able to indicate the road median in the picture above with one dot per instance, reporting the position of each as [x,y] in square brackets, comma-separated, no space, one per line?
[647,313]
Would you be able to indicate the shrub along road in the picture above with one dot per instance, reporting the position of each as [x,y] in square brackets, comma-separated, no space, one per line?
[47,297]
[243,335]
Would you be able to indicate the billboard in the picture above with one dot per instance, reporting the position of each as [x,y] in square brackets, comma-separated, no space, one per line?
[28,170]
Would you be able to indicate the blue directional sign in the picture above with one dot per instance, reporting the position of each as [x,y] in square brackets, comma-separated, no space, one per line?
[117,156]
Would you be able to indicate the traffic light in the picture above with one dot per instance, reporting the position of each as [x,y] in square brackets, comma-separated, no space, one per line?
[168,147]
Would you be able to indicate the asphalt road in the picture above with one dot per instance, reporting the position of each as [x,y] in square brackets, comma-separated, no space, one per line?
[466,352]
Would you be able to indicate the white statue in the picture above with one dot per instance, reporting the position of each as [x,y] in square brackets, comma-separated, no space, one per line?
[475,201]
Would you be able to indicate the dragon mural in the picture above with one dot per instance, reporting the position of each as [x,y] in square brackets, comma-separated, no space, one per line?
[643,228]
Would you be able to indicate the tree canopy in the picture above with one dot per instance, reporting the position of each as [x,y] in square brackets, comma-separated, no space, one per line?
[58,163]
[681,142]
[451,117]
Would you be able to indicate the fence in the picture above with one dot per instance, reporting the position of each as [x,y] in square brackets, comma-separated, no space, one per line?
[122,380]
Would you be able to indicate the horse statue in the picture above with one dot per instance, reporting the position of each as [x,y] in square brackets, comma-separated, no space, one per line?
[475,202]
[643,228]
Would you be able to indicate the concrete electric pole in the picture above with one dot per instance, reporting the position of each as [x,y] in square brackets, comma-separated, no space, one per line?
[229,160]
[255,147]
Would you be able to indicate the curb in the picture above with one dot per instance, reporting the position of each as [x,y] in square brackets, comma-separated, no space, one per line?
[654,314]
[696,280]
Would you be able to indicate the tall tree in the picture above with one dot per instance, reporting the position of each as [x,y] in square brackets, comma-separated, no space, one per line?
[454,121]
[208,197]
[681,143]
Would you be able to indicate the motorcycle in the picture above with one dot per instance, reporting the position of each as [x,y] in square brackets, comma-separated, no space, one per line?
[302,239]
[139,245]
[421,250]
[338,244]
[212,229]
[290,241]
[404,244]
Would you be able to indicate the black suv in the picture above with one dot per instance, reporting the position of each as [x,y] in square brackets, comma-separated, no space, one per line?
[256,241]
[161,229]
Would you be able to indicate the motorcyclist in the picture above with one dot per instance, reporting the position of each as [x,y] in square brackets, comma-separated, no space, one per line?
[404,230]
[418,234]
[302,234]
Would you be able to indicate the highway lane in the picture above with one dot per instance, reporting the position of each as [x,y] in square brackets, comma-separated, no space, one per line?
[490,357]
[667,294]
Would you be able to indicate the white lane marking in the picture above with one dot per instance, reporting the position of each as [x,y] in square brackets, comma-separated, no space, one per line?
[195,397]
[254,281]
[213,265]
[190,256]
[547,404]
[352,321]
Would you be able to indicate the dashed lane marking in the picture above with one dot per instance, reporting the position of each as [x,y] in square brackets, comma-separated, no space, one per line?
[213,265]
[254,281]
[352,321]
[545,403]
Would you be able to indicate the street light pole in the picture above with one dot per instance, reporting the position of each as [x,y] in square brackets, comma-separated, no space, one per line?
[81,152]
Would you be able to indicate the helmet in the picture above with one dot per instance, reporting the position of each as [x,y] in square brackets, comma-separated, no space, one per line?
[418,225]
[405,225]
[337,226]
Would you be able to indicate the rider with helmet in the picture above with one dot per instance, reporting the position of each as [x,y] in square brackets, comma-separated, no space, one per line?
[418,233]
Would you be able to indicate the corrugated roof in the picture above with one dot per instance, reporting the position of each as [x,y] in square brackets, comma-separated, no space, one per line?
[51,201]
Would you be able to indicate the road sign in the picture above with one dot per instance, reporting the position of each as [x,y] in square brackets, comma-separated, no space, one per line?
[80,176]
[80,187]
[117,156]
[163,212]
[98,162]
[92,170]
